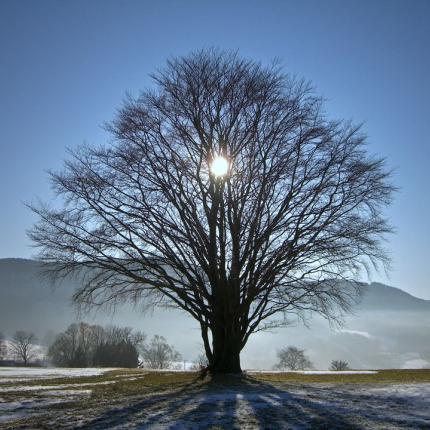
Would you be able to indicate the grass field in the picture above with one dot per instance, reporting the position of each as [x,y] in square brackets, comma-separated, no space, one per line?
[392,376]
[144,399]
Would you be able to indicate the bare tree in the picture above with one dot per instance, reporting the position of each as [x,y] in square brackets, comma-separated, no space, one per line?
[339,365]
[62,352]
[293,358]
[114,335]
[158,354]
[3,348]
[201,362]
[226,192]
[23,346]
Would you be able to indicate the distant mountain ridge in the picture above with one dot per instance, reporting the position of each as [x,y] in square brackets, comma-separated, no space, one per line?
[381,296]
[23,276]
[28,299]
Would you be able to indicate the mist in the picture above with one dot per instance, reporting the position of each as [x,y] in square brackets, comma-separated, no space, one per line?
[388,329]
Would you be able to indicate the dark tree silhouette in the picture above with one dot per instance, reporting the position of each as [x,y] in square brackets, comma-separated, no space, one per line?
[293,358]
[339,365]
[120,354]
[83,345]
[3,348]
[225,192]
[23,346]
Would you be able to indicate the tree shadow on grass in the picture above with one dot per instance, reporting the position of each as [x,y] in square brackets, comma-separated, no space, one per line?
[236,403]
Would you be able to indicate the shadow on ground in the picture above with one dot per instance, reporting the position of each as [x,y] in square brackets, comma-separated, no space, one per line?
[249,403]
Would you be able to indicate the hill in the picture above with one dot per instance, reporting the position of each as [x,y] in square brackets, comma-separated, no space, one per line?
[383,297]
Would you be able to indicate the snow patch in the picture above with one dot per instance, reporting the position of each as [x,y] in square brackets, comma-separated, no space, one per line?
[48,372]
[14,410]
[50,387]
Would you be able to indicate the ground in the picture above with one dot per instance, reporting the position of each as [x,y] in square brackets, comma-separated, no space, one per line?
[139,399]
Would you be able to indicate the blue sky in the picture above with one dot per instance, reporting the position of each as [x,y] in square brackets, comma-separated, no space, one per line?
[66,66]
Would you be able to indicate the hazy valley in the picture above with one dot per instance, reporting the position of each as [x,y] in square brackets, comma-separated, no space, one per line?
[389,328]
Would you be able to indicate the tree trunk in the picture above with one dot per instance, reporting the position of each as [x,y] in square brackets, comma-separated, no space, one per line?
[226,346]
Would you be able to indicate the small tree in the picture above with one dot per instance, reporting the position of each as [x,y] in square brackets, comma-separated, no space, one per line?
[3,348]
[339,365]
[23,346]
[159,354]
[201,362]
[293,358]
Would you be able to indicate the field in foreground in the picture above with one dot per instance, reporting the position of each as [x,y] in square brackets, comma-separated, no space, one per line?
[139,399]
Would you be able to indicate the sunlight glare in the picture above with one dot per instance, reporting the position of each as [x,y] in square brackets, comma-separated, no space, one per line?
[219,166]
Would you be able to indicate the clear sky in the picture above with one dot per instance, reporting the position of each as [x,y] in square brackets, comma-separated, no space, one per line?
[65,67]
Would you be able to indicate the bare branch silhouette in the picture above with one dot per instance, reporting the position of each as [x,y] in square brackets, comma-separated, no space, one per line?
[298,211]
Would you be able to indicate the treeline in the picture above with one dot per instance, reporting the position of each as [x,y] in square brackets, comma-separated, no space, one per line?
[85,345]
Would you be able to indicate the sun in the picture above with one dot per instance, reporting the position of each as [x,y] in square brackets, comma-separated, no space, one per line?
[219,166]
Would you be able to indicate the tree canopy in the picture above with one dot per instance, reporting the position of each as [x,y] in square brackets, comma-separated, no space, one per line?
[298,208]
